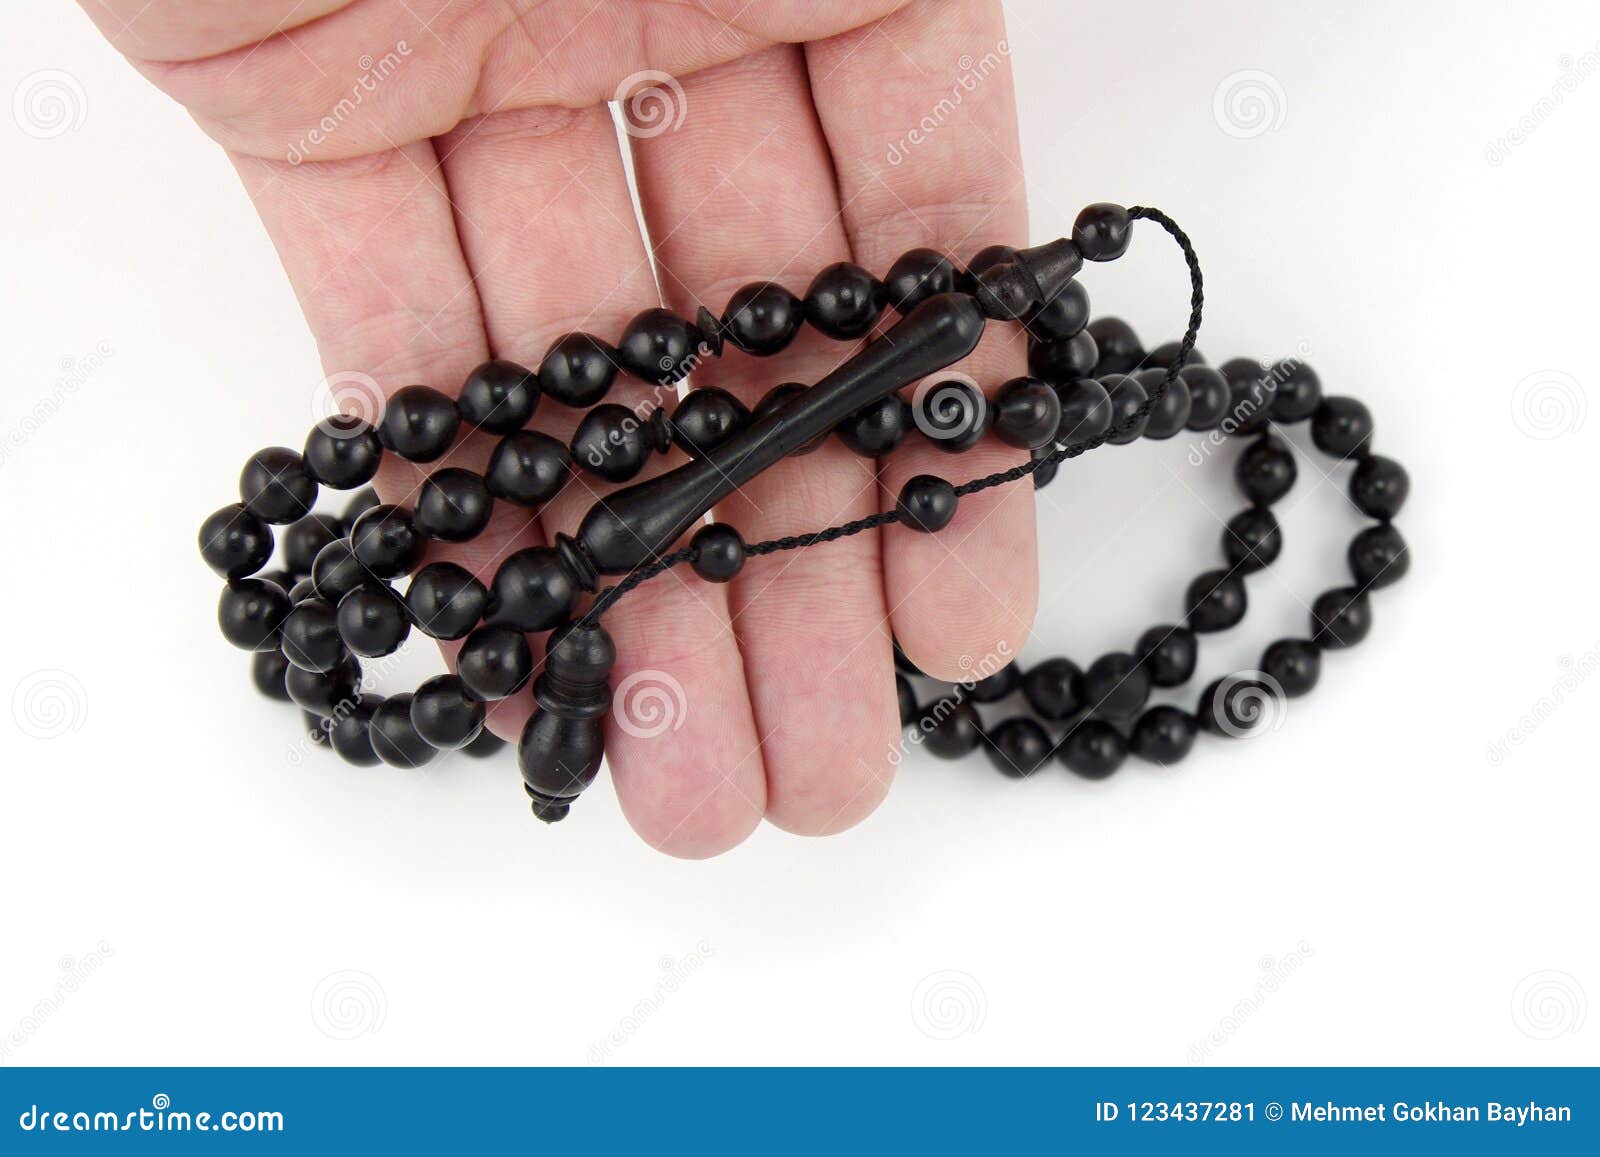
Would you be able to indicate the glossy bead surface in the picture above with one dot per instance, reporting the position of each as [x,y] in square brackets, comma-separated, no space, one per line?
[1341,427]
[495,662]
[780,396]
[275,487]
[358,504]
[487,745]
[1093,749]
[1027,413]
[843,301]
[350,732]
[876,429]
[315,728]
[1299,391]
[342,452]
[1045,472]
[611,443]
[453,505]
[387,542]
[251,611]
[1378,557]
[1340,618]
[445,601]
[951,728]
[986,258]
[444,713]
[419,423]
[1018,747]
[311,636]
[1085,411]
[926,503]
[908,699]
[1119,346]
[336,571]
[578,369]
[1172,411]
[1250,396]
[1379,487]
[372,621]
[1116,686]
[302,590]
[953,415]
[1126,395]
[1102,231]
[1266,471]
[1164,734]
[325,693]
[1064,359]
[394,738]
[658,346]
[527,468]
[1236,705]
[1215,601]
[917,275]
[706,419]
[235,543]
[1054,688]
[1169,653]
[1166,353]
[532,591]
[267,669]
[1063,316]
[1294,664]
[993,688]
[561,747]
[499,396]
[1252,540]
[304,539]
[1208,396]
[762,319]
[719,552]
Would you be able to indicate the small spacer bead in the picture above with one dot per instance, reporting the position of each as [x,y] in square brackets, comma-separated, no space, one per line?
[926,503]
[719,552]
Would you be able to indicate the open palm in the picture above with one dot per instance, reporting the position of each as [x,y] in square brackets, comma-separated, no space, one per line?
[443,182]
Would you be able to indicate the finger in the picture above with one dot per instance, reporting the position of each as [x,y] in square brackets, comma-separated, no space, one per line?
[549,232]
[743,192]
[967,593]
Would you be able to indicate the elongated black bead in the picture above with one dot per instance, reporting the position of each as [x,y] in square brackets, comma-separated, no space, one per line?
[1054,688]
[1116,686]
[762,319]
[445,601]
[1299,391]
[1164,734]
[1085,411]
[1294,664]
[659,346]
[1379,487]
[267,669]
[1064,359]
[342,452]
[917,275]
[336,571]
[1102,231]
[419,423]
[325,693]
[393,736]
[843,301]
[1172,411]
[1126,395]
[234,542]
[527,468]
[951,728]
[1252,539]
[1093,749]
[499,396]
[1340,618]
[578,369]
[311,636]
[706,419]
[878,428]
[1018,747]
[275,487]
[532,591]
[386,542]
[1266,471]
[1027,413]
[453,505]
[495,662]
[562,744]
[1208,396]
[1342,427]
[444,713]
[780,396]
[1118,346]
[1169,653]
[1215,601]
[719,552]
[372,620]
[1378,557]
[251,612]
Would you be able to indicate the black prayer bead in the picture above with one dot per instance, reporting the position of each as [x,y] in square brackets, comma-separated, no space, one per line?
[1116,686]
[719,552]
[351,733]
[953,415]
[1102,231]
[578,369]
[1093,749]
[1250,396]
[336,571]
[486,745]
[874,430]
[1164,734]
[1169,653]
[311,636]
[1054,688]
[342,452]
[926,502]
[1236,705]
[1299,391]
[1215,601]
[1018,747]
[394,738]
[1378,557]
[917,275]
[1027,413]
[495,662]
[234,542]
[1063,316]
[706,419]
[304,539]
[275,487]
[445,601]
[1085,411]
[532,591]
[1294,664]
[302,590]
[387,542]
[993,688]
[1171,413]
[658,346]
[611,442]
[1064,359]
[1340,618]
[444,713]
[499,396]
[358,504]
[951,728]
[1252,539]
[843,301]
[762,319]
[1166,353]
[1208,396]
[453,505]
[267,669]
[986,258]
[419,423]
[1379,487]
[325,693]
[527,468]
[1266,471]
[1127,395]
[1045,472]
[1342,427]
[250,613]
[372,620]
[1118,345]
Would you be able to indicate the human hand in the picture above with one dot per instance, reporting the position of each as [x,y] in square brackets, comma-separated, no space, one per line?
[443,184]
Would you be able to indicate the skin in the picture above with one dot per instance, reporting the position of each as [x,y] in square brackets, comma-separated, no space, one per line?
[473,203]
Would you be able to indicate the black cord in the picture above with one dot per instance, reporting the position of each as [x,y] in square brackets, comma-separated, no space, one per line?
[608,597]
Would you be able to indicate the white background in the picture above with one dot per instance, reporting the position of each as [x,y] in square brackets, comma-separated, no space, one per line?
[1364,885]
